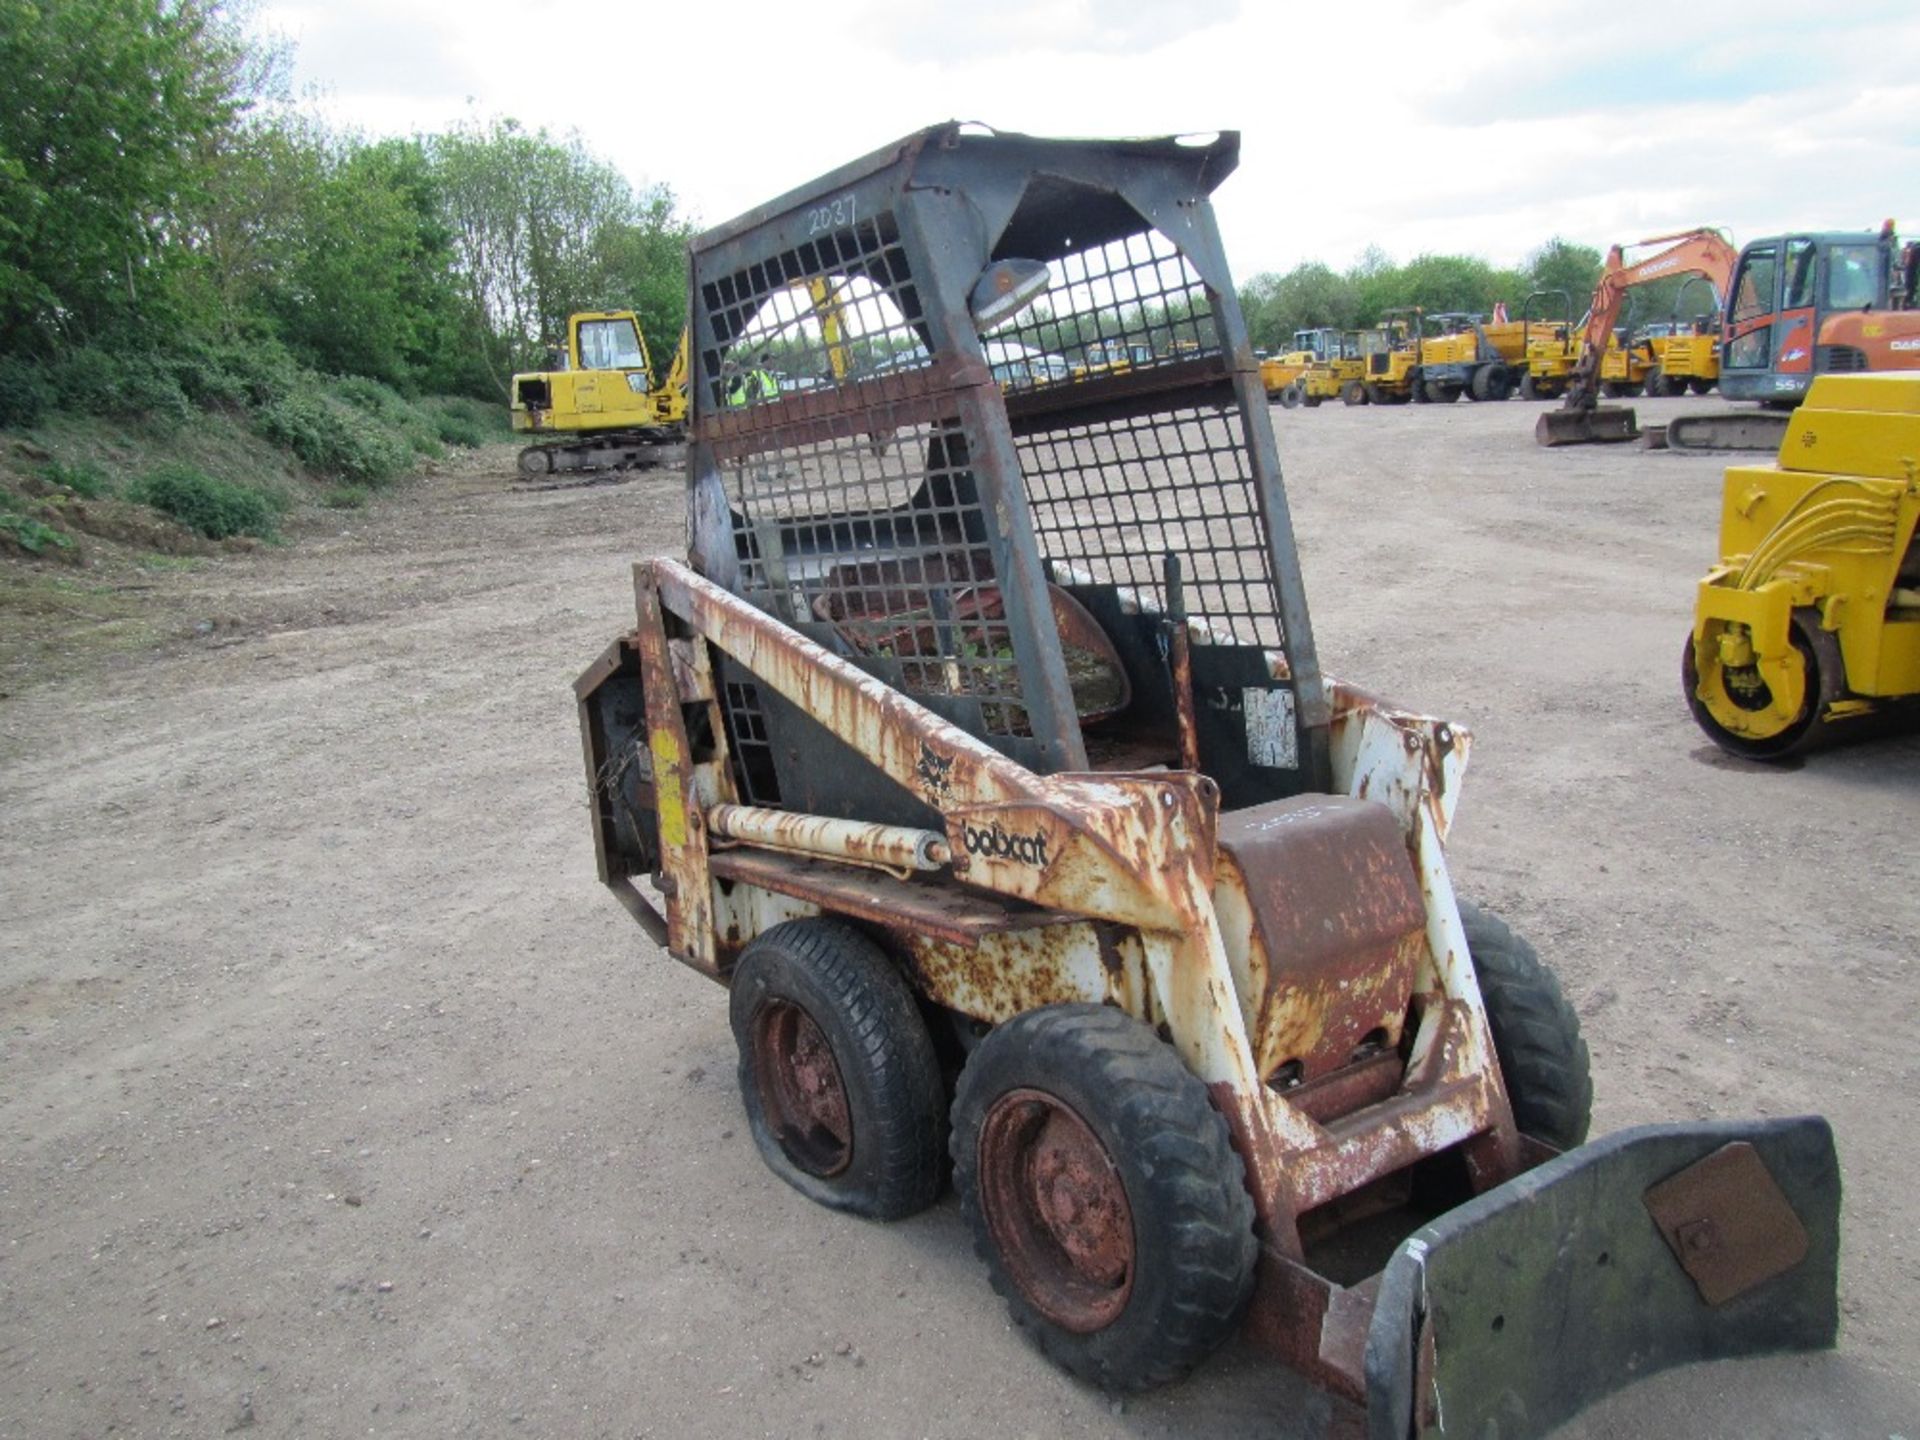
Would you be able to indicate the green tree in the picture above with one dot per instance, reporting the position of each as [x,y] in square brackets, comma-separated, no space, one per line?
[1438,283]
[1309,295]
[1561,265]
[109,109]
[371,285]
[542,228]
[643,267]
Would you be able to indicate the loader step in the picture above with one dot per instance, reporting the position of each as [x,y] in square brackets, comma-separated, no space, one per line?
[938,908]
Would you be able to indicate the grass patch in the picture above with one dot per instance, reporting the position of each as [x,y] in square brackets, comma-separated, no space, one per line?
[82,478]
[35,537]
[345,497]
[215,508]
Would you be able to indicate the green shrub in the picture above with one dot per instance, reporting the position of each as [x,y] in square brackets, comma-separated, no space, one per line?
[461,430]
[216,508]
[345,497]
[34,536]
[368,394]
[25,394]
[94,380]
[84,479]
[335,438]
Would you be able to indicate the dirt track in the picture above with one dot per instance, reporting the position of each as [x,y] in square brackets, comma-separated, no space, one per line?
[339,1099]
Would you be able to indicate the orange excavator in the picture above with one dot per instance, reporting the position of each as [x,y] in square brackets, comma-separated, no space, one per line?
[1581,419]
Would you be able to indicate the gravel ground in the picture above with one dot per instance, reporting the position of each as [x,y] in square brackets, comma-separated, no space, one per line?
[337,1098]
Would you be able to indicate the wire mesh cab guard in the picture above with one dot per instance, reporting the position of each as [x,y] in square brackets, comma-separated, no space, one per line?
[990,522]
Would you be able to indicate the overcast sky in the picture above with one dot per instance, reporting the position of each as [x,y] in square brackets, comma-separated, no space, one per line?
[1439,125]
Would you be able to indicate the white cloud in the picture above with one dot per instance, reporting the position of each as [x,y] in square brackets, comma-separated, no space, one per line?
[1465,126]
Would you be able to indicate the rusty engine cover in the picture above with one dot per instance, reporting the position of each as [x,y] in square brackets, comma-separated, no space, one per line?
[1334,927]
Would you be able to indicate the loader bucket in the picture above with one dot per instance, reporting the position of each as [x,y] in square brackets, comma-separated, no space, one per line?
[1602,425]
[1649,1248]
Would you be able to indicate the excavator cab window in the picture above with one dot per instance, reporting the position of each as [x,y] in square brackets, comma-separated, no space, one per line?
[1853,277]
[1753,291]
[1800,269]
[611,345]
[1753,299]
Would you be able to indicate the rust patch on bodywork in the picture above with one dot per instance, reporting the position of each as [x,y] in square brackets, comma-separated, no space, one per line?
[1007,973]
[1338,929]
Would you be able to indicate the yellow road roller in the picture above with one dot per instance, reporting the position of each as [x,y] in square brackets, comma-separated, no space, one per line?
[1810,622]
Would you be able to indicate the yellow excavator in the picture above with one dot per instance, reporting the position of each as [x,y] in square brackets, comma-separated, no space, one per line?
[598,402]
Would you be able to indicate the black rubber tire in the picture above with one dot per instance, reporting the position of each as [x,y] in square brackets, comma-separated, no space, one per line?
[1312,402]
[887,1067]
[1615,389]
[1194,1247]
[1536,1033]
[1528,389]
[1825,682]
[1654,382]
[1355,392]
[1700,385]
[1499,383]
[1288,396]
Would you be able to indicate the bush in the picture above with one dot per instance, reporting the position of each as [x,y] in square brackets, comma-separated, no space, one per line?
[24,392]
[30,532]
[369,395]
[461,430]
[86,480]
[216,508]
[345,497]
[236,374]
[335,438]
[97,381]
[32,535]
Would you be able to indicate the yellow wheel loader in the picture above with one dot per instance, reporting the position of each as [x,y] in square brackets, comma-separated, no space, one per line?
[1283,376]
[981,751]
[1809,625]
[599,404]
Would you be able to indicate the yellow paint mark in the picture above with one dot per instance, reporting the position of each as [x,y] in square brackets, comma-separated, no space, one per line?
[666,787]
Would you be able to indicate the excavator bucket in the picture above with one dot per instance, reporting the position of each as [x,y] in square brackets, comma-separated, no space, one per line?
[1602,425]
[1649,1248]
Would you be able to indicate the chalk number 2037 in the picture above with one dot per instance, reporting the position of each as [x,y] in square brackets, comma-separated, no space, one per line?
[835,216]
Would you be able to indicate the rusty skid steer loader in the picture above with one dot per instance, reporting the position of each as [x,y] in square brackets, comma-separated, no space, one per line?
[982,751]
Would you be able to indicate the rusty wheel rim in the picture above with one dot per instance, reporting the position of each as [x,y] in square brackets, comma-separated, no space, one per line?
[802,1095]
[1057,1210]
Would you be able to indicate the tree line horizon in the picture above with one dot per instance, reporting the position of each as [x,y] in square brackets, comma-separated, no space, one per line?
[170,199]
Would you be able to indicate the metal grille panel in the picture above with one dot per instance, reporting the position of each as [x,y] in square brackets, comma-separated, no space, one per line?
[1130,304]
[836,309]
[879,535]
[1111,498]
[752,750]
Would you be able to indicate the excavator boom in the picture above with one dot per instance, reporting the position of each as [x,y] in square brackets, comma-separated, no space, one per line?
[1580,420]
